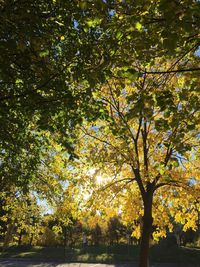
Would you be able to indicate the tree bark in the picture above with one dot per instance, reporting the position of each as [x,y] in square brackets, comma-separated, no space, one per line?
[9,233]
[20,238]
[146,230]
[31,240]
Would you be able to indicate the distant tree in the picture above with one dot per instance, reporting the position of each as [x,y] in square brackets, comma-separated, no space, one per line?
[114,230]
[96,235]
[22,217]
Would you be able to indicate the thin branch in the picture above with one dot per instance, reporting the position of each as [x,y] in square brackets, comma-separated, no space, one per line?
[116,107]
[113,97]
[145,148]
[29,91]
[120,189]
[95,137]
[172,183]
[139,127]
[172,71]
[168,155]
[117,181]
[185,54]
[102,141]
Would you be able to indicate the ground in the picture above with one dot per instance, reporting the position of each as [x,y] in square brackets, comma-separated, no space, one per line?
[27,263]
[101,256]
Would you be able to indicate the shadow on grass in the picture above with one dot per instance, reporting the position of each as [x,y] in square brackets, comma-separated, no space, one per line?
[104,254]
[175,254]
[107,254]
[93,254]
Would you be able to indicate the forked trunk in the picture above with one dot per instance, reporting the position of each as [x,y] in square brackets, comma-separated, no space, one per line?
[146,232]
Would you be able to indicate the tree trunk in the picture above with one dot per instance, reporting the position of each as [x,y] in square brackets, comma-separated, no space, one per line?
[146,230]
[31,240]
[9,233]
[20,238]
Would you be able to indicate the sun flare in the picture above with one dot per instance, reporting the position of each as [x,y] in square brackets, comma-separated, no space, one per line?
[99,179]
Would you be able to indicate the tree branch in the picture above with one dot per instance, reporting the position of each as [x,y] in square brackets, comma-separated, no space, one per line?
[145,149]
[117,181]
[139,181]
[172,71]
[172,183]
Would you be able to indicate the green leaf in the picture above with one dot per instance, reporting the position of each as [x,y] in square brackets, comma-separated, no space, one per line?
[19,81]
[83,4]
[138,26]
[119,35]
[93,22]
[161,168]
[44,53]
[128,73]
[161,124]
[175,162]
[191,126]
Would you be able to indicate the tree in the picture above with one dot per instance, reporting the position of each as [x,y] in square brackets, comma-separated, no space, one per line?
[114,230]
[55,53]
[66,212]
[51,68]
[144,149]
[31,78]
[96,235]
[20,201]
[22,217]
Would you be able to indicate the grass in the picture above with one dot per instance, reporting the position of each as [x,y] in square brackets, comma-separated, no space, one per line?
[108,254]
[104,254]
[175,254]
[44,253]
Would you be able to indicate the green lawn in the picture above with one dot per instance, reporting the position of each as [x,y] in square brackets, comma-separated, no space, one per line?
[108,254]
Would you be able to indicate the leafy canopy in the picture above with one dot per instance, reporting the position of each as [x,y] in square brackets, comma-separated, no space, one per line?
[146,138]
